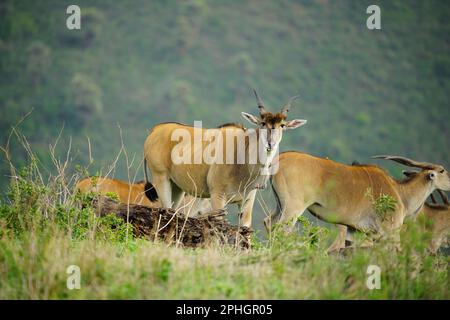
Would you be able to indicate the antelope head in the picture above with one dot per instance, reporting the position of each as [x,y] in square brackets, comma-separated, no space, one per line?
[273,123]
[436,175]
[445,201]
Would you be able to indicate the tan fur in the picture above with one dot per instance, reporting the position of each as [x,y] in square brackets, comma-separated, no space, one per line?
[135,194]
[439,227]
[337,193]
[127,193]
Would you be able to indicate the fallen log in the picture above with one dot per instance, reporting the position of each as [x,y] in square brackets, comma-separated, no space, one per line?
[174,227]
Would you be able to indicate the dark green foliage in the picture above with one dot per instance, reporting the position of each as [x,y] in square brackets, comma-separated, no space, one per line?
[38,61]
[163,269]
[34,206]
[86,97]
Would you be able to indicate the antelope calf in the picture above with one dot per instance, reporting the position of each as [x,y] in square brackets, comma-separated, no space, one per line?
[338,193]
[230,182]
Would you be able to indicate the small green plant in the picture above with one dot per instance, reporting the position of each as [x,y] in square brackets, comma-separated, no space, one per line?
[255,241]
[312,234]
[310,237]
[163,269]
[111,228]
[112,196]
[383,204]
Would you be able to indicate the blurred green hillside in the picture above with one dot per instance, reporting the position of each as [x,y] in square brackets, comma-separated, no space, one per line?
[137,63]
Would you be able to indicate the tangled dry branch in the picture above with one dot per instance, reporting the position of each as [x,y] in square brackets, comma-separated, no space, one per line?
[175,228]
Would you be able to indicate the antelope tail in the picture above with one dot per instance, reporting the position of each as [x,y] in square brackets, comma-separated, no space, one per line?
[150,191]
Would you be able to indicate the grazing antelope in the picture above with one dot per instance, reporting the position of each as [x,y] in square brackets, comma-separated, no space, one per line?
[338,193]
[135,194]
[223,182]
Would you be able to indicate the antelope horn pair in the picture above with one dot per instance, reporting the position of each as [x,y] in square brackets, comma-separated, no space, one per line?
[443,197]
[410,163]
[262,109]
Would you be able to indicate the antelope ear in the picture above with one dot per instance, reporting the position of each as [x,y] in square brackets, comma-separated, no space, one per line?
[293,124]
[250,118]
[409,173]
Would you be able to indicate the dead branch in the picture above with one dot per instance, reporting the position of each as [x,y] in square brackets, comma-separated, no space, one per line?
[176,228]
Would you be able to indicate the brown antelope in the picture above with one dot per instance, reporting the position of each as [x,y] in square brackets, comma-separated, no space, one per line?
[437,223]
[127,193]
[439,216]
[135,194]
[338,193]
[235,180]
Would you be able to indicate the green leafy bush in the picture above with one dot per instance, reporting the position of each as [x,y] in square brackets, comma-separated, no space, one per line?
[86,97]
[39,60]
[33,206]
[383,204]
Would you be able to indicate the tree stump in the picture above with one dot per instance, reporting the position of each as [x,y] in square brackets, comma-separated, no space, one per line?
[175,228]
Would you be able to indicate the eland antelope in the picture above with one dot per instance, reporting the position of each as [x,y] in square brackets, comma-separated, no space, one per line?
[437,223]
[439,227]
[338,193]
[235,180]
[127,193]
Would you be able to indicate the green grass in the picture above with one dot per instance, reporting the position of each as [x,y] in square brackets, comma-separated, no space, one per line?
[34,267]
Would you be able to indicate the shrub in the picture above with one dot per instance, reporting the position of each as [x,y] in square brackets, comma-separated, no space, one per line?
[38,61]
[383,204]
[86,97]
